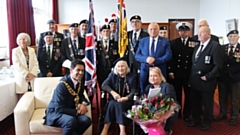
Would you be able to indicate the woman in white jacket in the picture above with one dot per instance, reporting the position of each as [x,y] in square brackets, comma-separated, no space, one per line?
[25,64]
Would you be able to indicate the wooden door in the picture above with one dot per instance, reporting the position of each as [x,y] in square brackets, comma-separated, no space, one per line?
[173,32]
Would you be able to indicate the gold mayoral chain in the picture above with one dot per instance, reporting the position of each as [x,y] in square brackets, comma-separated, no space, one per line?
[73,93]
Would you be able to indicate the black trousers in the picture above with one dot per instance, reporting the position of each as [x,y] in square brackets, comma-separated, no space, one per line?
[179,85]
[225,88]
[202,99]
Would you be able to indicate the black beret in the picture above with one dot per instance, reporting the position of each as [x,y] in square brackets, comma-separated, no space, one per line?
[163,27]
[83,21]
[119,59]
[135,17]
[50,21]
[48,33]
[73,25]
[232,32]
[105,26]
[112,20]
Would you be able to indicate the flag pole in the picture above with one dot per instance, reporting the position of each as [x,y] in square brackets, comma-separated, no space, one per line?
[120,27]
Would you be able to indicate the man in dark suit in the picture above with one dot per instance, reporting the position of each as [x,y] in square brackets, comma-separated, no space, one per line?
[67,107]
[229,81]
[83,27]
[58,37]
[134,36]
[180,66]
[107,53]
[49,57]
[72,47]
[201,23]
[152,51]
[206,65]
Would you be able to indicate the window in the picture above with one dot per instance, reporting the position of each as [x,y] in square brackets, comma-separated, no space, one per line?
[4,30]
[42,13]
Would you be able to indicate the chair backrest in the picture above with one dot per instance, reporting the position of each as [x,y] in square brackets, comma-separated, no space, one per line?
[43,90]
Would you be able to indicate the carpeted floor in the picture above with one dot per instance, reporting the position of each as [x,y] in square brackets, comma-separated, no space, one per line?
[179,128]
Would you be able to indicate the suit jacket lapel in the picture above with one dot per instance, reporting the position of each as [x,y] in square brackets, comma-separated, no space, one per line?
[195,51]
[158,45]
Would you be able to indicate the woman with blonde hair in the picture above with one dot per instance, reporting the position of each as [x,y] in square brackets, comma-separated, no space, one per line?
[121,84]
[157,80]
[25,64]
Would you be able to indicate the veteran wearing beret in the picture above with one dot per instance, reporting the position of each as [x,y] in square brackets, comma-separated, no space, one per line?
[107,53]
[113,28]
[58,37]
[180,66]
[72,47]
[163,32]
[49,57]
[134,36]
[229,80]
[83,27]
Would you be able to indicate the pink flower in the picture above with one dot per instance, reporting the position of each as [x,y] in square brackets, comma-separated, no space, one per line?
[162,101]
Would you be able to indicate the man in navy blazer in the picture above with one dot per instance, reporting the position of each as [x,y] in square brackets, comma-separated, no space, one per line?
[152,51]
[229,80]
[206,65]
[67,107]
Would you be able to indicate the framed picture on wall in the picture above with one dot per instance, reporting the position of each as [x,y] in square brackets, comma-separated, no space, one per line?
[231,24]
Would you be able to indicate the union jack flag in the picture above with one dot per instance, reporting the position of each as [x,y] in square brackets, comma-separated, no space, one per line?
[90,51]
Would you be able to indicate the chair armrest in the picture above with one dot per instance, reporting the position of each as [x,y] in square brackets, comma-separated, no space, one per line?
[89,114]
[23,113]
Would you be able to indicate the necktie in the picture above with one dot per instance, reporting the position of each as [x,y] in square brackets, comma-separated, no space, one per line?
[75,46]
[183,42]
[49,54]
[152,48]
[198,54]
[76,87]
[105,45]
[231,53]
[113,37]
[134,39]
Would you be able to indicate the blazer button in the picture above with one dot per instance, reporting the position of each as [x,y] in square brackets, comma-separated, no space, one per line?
[179,55]
[178,60]
[178,66]
[228,65]
[186,61]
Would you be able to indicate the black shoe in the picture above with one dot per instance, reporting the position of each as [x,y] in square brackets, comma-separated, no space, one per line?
[220,117]
[193,123]
[233,122]
[204,127]
[186,119]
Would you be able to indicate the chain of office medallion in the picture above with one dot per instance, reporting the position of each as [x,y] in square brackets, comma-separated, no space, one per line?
[73,93]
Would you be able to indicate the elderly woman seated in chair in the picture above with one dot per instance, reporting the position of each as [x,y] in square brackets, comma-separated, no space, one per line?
[157,80]
[121,84]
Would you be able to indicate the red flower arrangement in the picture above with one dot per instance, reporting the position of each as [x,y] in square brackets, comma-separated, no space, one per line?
[150,113]
[150,108]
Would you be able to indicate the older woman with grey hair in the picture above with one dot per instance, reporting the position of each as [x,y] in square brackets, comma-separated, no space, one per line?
[121,84]
[25,64]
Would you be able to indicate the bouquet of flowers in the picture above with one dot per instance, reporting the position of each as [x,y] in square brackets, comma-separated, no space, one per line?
[151,113]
